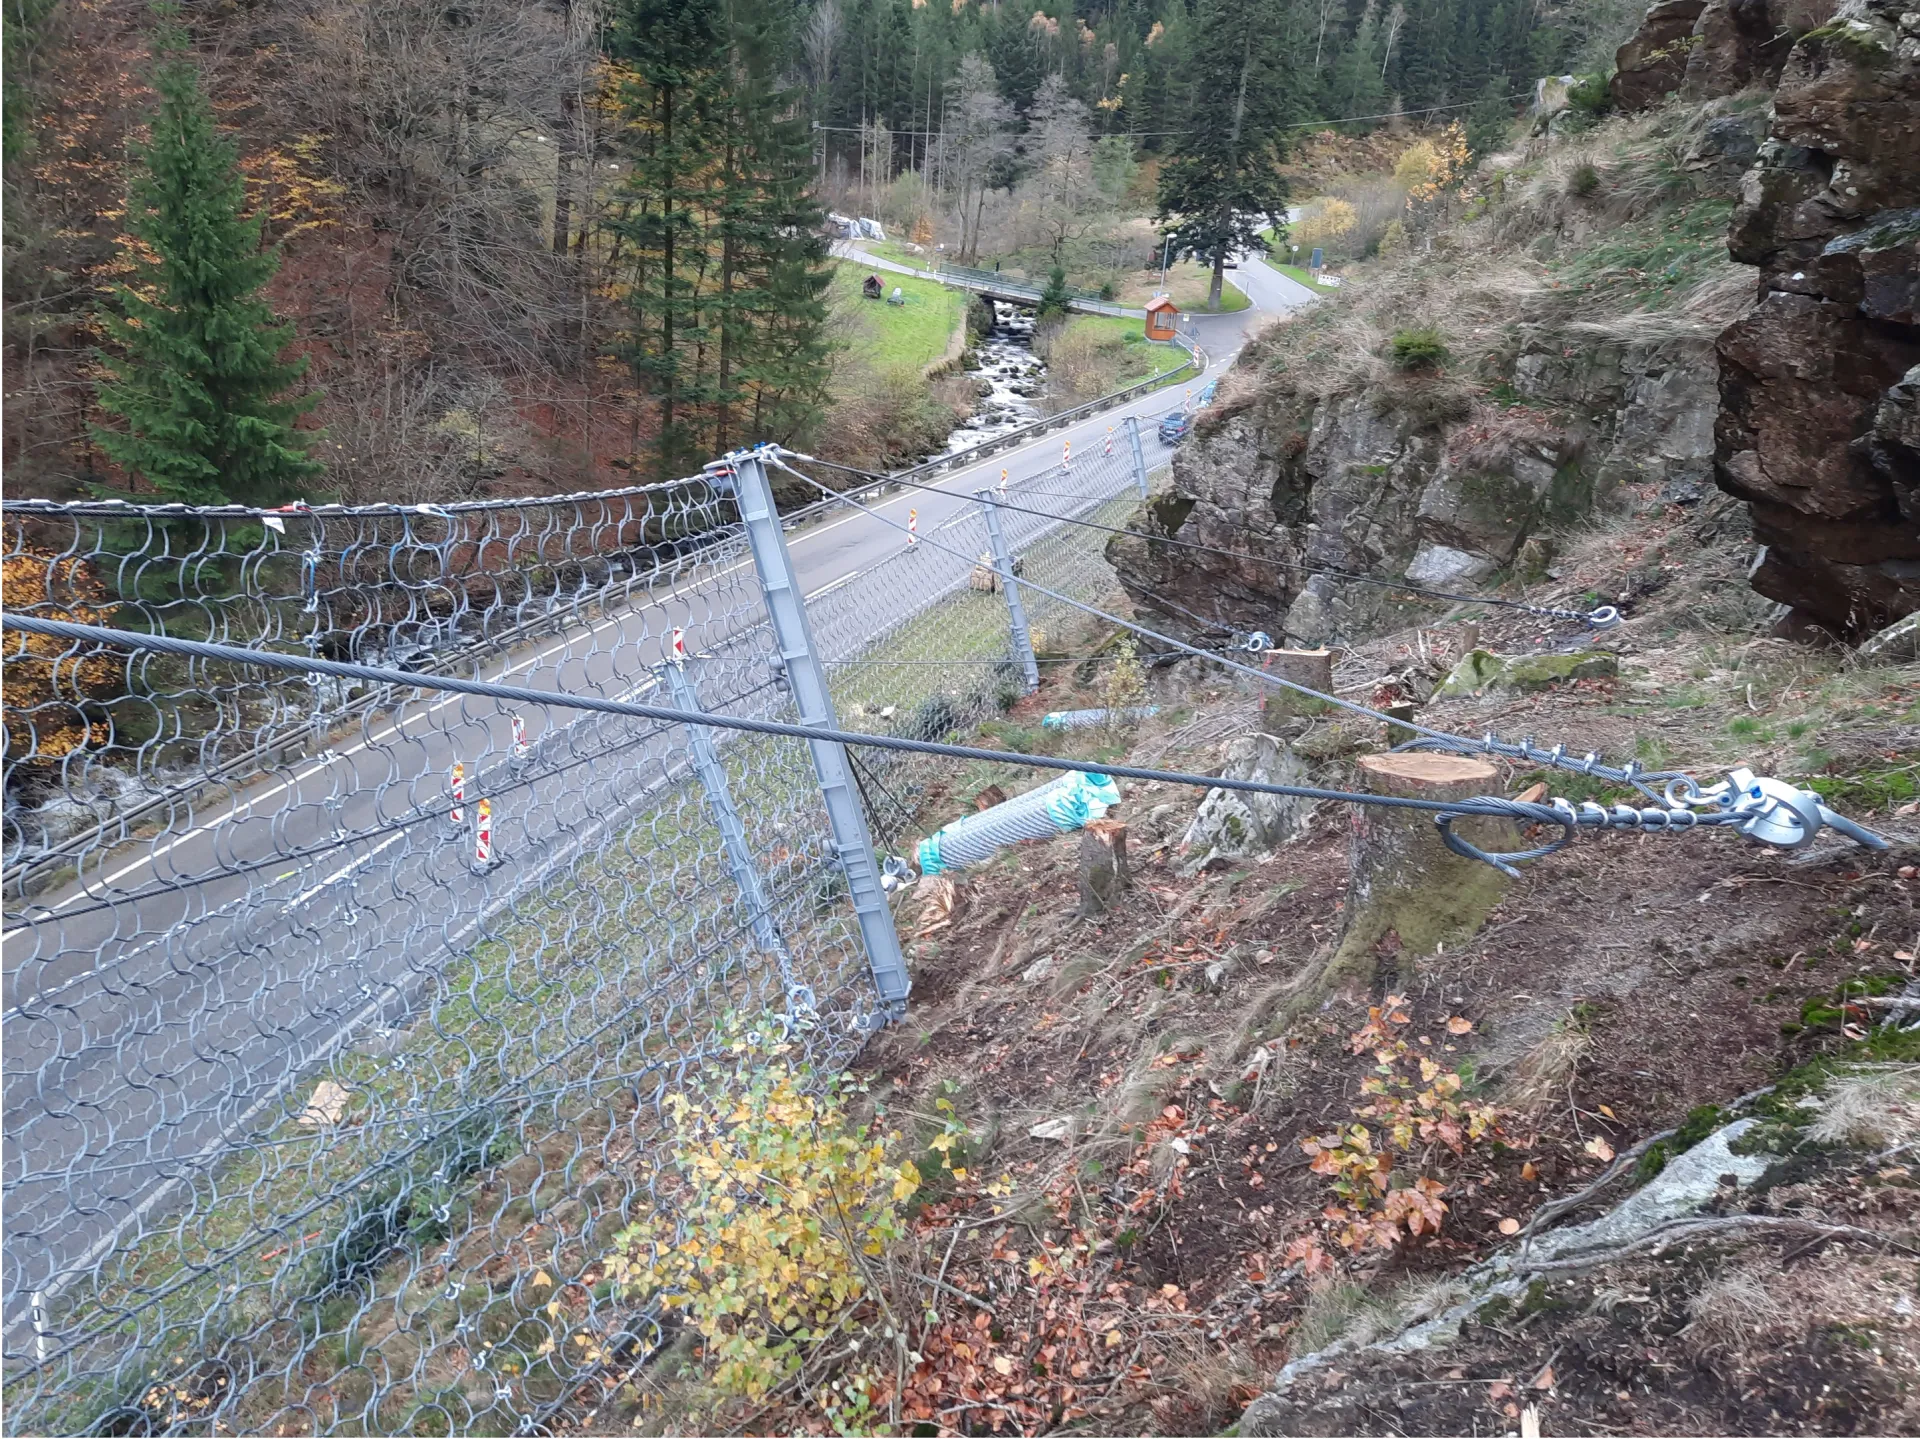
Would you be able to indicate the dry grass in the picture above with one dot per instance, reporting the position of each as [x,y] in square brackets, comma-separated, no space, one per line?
[1544,1072]
[1485,282]
[1738,1307]
[1876,1108]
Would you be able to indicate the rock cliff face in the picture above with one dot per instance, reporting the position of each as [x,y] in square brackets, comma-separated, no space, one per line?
[1818,425]
[1413,480]
[1707,48]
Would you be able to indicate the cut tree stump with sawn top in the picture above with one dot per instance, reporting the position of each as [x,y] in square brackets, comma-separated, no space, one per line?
[1409,894]
[1103,866]
[1312,668]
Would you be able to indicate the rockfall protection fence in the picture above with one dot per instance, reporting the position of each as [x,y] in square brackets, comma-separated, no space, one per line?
[340,1003]
[335,1010]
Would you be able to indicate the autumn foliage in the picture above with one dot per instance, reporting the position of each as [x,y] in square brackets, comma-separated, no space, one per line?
[778,1200]
[1417,1101]
[48,682]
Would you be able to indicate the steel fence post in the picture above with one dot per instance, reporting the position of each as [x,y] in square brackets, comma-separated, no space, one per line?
[1139,455]
[733,834]
[806,678]
[1016,611]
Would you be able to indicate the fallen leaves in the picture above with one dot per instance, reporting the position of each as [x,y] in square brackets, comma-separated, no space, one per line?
[1599,1149]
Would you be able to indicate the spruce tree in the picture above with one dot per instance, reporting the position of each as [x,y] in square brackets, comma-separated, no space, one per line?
[1221,186]
[200,383]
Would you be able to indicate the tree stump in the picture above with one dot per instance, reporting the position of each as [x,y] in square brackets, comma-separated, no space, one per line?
[1312,668]
[1103,866]
[1409,894]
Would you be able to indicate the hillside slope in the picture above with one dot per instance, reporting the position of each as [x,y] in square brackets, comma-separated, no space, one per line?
[1573,338]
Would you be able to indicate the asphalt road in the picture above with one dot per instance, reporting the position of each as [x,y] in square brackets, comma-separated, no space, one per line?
[165,1007]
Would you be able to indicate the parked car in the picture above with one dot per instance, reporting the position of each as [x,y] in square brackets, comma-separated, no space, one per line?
[1174,426]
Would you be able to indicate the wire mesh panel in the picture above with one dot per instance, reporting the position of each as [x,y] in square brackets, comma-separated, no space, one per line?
[336,1021]
[919,643]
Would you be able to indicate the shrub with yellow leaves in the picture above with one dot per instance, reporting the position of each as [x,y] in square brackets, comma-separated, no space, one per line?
[776,1200]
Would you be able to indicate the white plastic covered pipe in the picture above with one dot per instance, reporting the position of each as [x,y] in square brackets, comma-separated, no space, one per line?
[1057,808]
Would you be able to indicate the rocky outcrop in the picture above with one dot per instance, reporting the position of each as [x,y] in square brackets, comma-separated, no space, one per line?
[1703,49]
[1389,484]
[1653,62]
[1737,43]
[1817,429]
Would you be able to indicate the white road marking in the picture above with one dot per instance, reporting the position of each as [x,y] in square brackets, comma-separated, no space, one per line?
[332,757]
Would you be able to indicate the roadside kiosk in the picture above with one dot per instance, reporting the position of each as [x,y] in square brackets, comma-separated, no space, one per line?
[1161,313]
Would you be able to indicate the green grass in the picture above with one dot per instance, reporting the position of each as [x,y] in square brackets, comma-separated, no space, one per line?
[1296,273]
[915,334]
[1136,357]
[1647,262]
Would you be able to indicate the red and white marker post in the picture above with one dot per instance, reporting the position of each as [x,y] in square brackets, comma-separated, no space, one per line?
[457,782]
[519,751]
[1003,483]
[1066,454]
[482,834]
[1106,452]
[677,647]
[913,529]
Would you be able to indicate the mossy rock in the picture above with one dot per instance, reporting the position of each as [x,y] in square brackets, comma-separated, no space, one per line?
[1482,670]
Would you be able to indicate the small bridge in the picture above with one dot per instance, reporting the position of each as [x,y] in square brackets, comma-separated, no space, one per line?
[990,283]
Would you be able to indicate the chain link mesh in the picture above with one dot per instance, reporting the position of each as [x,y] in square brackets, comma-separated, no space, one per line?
[943,660]
[321,1114]
[301,1094]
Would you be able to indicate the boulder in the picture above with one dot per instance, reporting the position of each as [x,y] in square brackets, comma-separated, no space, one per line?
[1233,824]
[1898,643]
[1481,671]
[1727,146]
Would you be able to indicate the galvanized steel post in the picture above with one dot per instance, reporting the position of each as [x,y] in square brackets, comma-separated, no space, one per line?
[1016,611]
[1139,456]
[793,636]
[733,834]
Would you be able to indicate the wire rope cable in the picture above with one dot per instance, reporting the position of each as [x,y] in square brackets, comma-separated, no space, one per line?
[1561,813]
[1680,784]
[1604,617]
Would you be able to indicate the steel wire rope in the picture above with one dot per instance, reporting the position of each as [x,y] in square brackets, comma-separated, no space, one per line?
[1482,805]
[1332,572]
[39,914]
[1556,758]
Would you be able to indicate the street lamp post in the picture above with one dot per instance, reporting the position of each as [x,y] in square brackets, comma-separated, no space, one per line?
[1164,244]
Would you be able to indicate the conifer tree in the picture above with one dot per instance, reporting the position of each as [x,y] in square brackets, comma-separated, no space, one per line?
[1221,187]
[200,383]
